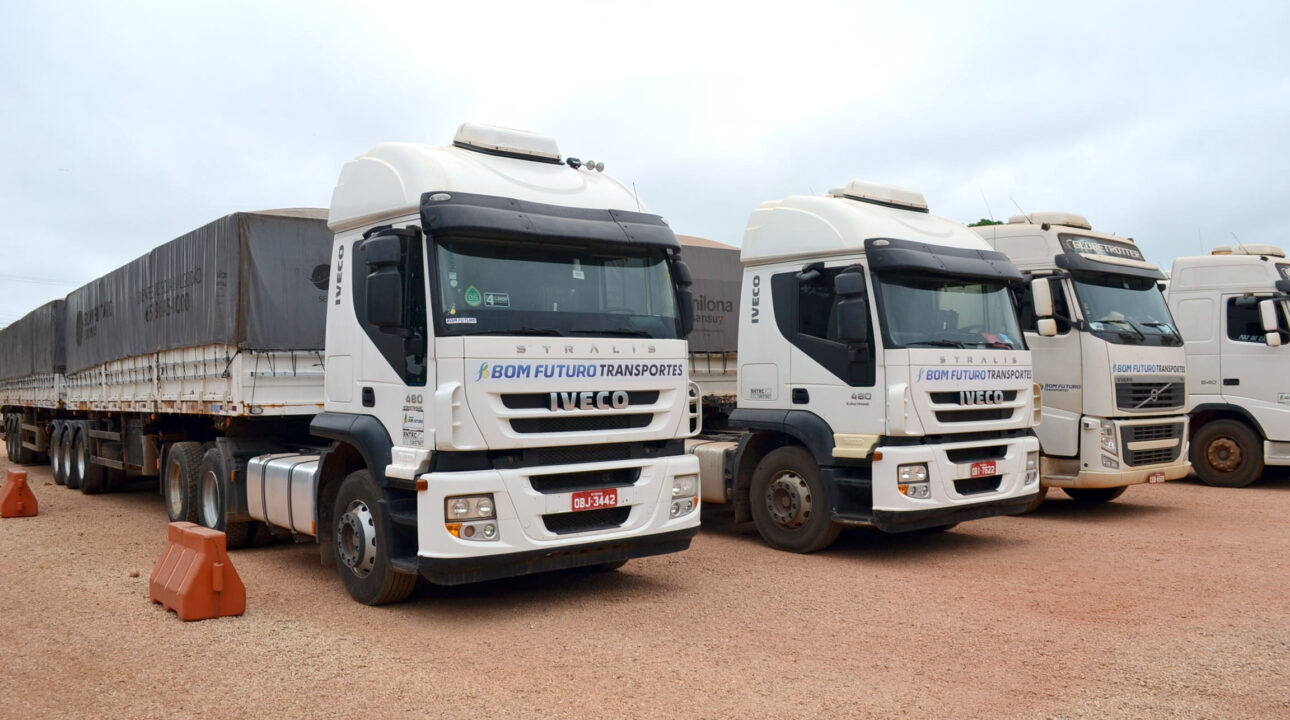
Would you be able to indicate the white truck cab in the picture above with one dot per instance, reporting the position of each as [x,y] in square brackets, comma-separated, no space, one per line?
[1232,309]
[1107,352]
[883,379]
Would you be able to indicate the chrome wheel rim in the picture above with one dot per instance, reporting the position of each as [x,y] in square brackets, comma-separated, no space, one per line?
[174,490]
[82,462]
[356,538]
[210,499]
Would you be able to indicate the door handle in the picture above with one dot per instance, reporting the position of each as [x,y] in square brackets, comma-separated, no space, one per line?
[801,396]
[369,397]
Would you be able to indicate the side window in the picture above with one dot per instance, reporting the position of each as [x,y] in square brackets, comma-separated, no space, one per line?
[1244,323]
[1026,308]
[816,305]
[398,252]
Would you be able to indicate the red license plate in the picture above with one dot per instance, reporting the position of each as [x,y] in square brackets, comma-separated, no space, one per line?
[982,469]
[1156,477]
[595,499]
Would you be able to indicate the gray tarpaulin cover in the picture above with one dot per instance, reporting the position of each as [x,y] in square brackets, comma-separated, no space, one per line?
[34,343]
[257,280]
[717,275]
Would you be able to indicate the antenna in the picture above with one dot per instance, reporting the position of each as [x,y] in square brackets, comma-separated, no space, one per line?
[637,196]
[1200,245]
[1238,240]
[1023,212]
[988,211]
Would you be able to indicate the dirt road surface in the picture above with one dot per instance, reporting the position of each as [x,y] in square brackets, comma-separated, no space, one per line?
[1173,601]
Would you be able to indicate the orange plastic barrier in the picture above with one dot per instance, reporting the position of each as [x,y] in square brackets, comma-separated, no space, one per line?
[16,499]
[194,576]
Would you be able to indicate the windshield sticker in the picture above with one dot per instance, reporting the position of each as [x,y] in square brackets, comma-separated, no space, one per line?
[452,279]
[578,272]
[1097,246]
[459,321]
[473,298]
[496,299]
[1283,398]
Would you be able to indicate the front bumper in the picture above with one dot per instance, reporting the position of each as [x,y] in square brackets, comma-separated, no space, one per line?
[1131,463]
[906,521]
[528,536]
[952,494]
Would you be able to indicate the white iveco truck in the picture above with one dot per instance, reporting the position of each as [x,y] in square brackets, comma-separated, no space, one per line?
[501,389]
[883,379]
[1232,308]
[1107,352]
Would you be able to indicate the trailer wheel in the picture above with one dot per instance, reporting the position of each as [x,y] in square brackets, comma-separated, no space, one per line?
[1089,496]
[58,458]
[360,527]
[212,501]
[789,506]
[1227,453]
[91,476]
[21,455]
[72,475]
[179,483]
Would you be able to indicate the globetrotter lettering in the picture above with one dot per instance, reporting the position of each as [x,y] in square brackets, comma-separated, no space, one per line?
[561,371]
[962,374]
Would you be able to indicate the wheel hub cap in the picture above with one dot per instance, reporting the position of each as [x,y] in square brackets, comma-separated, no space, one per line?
[788,499]
[1224,455]
[356,538]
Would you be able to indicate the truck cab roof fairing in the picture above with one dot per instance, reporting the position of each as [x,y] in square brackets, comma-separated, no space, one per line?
[469,213]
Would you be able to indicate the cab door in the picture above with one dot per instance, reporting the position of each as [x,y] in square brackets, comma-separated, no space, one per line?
[1058,367]
[1252,375]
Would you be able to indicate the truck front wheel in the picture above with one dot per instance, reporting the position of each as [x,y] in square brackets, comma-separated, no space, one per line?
[360,528]
[1227,453]
[788,502]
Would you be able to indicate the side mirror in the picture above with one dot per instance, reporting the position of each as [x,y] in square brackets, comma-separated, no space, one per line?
[685,309]
[1283,286]
[1268,318]
[850,283]
[853,320]
[1042,293]
[1047,327]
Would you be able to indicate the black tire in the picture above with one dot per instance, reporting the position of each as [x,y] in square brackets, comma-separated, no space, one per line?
[1089,496]
[360,528]
[212,501]
[58,458]
[1039,500]
[936,529]
[179,480]
[606,567]
[21,454]
[8,437]
[93,479]
[789,505]
[1227,453]
[72,478]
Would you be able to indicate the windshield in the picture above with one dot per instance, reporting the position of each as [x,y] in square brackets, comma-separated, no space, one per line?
[1125,309]
[945,312]
[488,287]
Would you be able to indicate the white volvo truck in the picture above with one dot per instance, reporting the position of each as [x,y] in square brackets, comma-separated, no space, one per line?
[1232,308]
[1106,351]
[883,379]
[502,387]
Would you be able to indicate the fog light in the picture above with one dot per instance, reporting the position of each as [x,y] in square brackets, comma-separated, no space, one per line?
[490,531]
[1032,467]
[475,532]
[682,507]
[1110,463]
[1107,437]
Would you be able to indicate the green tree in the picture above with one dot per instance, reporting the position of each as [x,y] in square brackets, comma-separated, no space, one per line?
[984,221]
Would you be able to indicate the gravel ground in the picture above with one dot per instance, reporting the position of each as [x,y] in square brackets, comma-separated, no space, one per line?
[1170,602]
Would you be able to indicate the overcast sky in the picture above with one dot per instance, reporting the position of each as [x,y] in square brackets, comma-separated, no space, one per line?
[126,124]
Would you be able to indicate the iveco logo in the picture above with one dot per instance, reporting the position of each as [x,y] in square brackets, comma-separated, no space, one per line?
[588,400]
[980,397]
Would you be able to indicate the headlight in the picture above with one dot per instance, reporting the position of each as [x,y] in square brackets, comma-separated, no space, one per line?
[1108,437]
[912,481]
[468,507]
[685,486]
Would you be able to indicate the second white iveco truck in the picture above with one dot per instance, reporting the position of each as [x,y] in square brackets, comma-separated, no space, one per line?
[1106,351]
[883,378]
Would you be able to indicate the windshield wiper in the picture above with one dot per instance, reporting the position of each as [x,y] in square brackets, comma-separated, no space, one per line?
[1166,326]
[937,343]
[623,331]
[520,331]
[1136,332]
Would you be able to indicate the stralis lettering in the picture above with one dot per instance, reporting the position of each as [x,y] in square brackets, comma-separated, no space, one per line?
[589,400]
[553,371]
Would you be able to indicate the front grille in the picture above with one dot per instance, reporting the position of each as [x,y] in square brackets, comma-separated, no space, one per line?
[1138,395]
[967,455]
[567,482]
[952,398]
[1151,457]
[586,520]
[1138,433]
[978,485]
[974,415]
[533,401]
[580,454]
[580,423]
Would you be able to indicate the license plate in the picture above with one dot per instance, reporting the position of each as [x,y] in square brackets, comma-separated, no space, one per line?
[595,499]
[982,469]
[1156,477]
